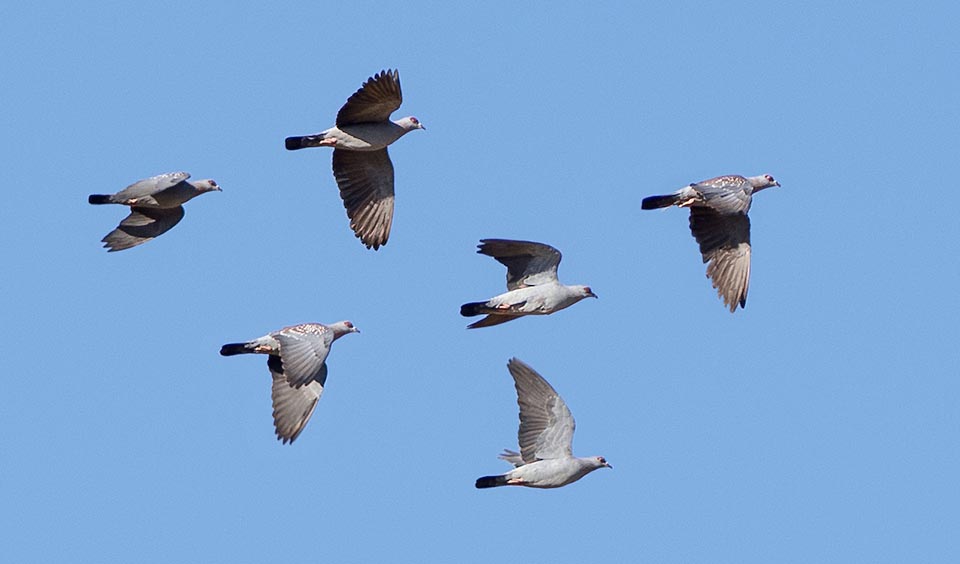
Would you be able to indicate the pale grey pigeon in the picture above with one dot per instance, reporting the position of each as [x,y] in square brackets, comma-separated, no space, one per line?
[533,288]
[156,205]
[298,365]
[361,164]
[719,223]
[546,430]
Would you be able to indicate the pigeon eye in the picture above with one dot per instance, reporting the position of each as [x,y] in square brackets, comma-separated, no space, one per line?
[414,120]
[349,325]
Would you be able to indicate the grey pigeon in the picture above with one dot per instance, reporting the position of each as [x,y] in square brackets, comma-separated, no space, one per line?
[156,205]
[546,430]
[533,288]
[719,223]
[298,365]
[361,164]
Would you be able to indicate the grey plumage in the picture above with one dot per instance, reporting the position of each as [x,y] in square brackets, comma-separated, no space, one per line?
[156,205]
[298,367]
[532,284]
[719,223]
[545,435]
[361,164]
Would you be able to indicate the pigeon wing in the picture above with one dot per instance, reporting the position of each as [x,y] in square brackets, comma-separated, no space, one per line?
[528,263]
[292,407]
[365,179]
[150,186]
[142,225]
[726,194]
[379,97]
[546,424]
[725,244]
[303,352]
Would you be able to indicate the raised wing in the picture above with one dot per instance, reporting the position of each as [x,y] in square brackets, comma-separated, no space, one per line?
[303,352]
[726,194]
[292,407]
[365,179]
[725,244]
[546,424]
[150,186]
[528,263]
[379,97]
[140,226]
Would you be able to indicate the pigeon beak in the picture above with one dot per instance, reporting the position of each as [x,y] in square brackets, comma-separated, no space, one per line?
[608,465]
[777,184]
[423,127]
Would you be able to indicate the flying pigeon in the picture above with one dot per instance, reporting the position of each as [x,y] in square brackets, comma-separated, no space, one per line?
[297,362]
[155,207]
[533,288]
[361,164]
[719,223]
[546,430]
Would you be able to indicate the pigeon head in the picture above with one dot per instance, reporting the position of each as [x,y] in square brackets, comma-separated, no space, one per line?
[208,185]
[586,292]
[410,123]
[341,328]
[601,462]
[762,181]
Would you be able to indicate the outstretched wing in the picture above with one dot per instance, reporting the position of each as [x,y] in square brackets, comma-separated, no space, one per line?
[140,226]
[725,244]
[546,424]
[528,263]
[379,97]
[292,407]
[303,352]
[365,179]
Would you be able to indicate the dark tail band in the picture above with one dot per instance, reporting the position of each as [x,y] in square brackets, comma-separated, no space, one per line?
[98,199]
[233,348]
[471,309]
[491,482]
[654,202]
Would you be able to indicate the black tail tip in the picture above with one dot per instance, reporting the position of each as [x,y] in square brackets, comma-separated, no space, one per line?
[471,309]
[232,349]
[490,482]
[98,199]
[293,143]
[654,202]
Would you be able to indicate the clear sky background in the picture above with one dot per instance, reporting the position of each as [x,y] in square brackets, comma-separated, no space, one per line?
[820,424]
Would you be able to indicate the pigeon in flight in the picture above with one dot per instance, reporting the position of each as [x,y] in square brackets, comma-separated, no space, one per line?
[156,205]
[546,430]
[297,362]
[533,288]
[361,164]
[719,223]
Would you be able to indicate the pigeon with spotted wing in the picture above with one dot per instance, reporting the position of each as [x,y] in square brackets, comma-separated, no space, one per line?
[361,164]
[533,288]
[719,223]
[546,431]
[297,362]
[156,205]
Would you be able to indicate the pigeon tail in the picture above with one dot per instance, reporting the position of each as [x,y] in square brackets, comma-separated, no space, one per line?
[233,348]
[99,199]
[491,482]
[473,308]
[294,143]
[654,202]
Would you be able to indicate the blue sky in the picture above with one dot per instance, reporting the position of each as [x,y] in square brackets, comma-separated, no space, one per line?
[820,424]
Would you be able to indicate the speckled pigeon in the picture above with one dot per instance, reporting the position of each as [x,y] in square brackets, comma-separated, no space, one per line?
[546,430]
[155,207]
[361,164]
[719,223]
[297,363]
[533,288]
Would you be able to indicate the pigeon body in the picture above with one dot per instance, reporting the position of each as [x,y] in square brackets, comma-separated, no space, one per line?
[719,223]
[297,363]
[361,164]
[546,431]
[532,284]
[156,205]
